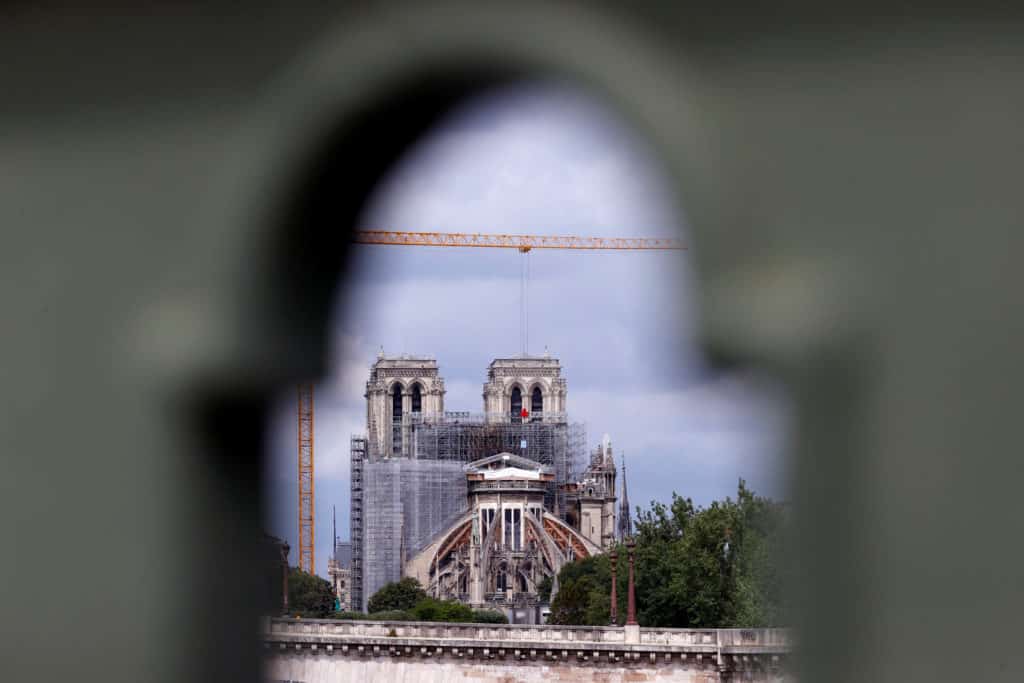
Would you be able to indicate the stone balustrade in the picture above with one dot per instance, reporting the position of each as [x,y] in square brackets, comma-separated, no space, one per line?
[761,650]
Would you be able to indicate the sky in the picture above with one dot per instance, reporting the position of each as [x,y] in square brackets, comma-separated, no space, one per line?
[536,159]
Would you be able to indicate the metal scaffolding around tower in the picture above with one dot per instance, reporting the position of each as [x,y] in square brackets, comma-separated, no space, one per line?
[307,532]
[400,503]
[357,450]
[547,438]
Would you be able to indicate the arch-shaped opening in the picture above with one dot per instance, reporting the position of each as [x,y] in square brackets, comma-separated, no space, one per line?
[396,418]
[416,401]
[533,400]
[516,405]
[501,582]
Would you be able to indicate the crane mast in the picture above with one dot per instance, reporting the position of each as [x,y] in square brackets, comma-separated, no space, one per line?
[307,530]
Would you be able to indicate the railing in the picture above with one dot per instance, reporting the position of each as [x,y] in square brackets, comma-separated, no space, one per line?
[694,640]
[325,629]
[518,484]
[448,417]
[760,637]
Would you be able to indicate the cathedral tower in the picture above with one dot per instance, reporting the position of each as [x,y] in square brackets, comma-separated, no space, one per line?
[625,521]
[531,384]
[399,386]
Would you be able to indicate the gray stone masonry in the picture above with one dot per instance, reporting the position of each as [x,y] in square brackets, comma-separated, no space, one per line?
[724,650]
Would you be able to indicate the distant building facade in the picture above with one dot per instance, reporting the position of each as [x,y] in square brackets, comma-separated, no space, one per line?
[497,553]
[409,470]
[339,569]
[591,501]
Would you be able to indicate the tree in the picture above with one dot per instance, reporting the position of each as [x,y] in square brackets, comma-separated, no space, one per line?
[391,615]
[347,616]
[570,604]
[544,588]
[431,609]
[760,563]
[309,595]
[489,616]
[398,595]
[710,567]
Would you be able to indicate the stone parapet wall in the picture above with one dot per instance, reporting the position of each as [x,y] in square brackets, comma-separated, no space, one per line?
[757,654]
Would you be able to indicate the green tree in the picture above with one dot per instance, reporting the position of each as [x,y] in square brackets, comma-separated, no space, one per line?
[391,615]
[571,602]
[309,595]
[544,589]
[398,595]
[431,609]
[718,566]
[347,616]
[760,562]
[489,616]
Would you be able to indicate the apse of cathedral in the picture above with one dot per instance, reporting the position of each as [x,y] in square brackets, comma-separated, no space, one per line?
[505,544]
[479,507]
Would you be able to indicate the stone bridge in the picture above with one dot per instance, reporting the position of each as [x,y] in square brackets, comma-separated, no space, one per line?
[323,651]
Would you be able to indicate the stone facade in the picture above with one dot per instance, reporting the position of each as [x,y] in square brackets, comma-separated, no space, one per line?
[341,582]
[496,554]
[313,650]
[339,569]
[409,482]
[399,386]
[591,501]
[538,380]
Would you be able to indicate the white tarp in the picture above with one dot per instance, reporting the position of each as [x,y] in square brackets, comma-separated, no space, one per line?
[511,473]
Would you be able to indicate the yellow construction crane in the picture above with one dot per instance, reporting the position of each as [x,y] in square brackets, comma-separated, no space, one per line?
[524,244]
[307,510]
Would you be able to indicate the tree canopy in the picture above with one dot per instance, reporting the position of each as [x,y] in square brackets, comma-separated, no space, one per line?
[713,567]
[406,600]
[398,595]
[431,609]
[309,595]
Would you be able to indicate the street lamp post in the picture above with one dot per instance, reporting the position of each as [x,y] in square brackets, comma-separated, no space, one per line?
[284,577]
[631,598]
[612,557]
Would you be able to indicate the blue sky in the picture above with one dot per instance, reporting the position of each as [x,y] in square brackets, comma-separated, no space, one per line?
[538,159]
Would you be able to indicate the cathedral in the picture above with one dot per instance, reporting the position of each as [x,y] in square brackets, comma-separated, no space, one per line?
[479,507]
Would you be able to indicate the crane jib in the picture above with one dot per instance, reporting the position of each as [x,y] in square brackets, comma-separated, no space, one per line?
[523,243]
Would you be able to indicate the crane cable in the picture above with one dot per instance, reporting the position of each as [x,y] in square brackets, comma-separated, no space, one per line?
[524,301]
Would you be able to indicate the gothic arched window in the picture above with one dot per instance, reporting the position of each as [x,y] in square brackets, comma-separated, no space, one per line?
[536,405]
[516,408]
[417,400]
[396,419]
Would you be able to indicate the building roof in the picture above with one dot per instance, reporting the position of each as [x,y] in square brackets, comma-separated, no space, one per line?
[405,360]
[511,473]
[507,461]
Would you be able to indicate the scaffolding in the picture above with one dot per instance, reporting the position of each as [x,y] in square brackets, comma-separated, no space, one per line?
[382,526]
[400,504]
[547,438]
[407,503]
[357,453]
[307,529]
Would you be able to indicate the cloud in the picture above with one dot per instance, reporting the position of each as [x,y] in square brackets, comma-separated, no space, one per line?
[539,160]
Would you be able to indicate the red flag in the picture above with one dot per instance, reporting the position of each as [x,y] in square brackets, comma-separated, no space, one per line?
[524,413]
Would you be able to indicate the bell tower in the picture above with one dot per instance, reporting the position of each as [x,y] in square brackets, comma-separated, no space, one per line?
[399,386]
[525,388]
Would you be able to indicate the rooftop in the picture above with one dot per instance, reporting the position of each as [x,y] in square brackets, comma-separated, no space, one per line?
[507,461]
